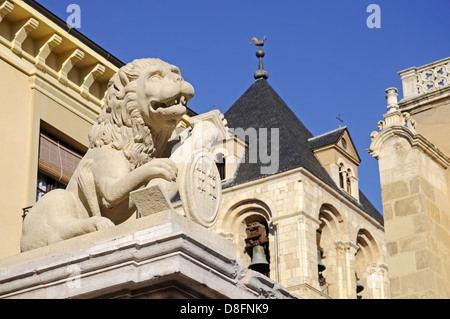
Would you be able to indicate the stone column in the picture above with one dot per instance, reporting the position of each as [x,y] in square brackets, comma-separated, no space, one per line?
[274,251]
[308,251]
[288,259]
[377,281]
[296,260]
[345,259]
[354,187]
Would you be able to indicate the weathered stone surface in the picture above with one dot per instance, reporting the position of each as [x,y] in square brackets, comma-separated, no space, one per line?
[409,206]
[150,200]
[394,191]
[412,150]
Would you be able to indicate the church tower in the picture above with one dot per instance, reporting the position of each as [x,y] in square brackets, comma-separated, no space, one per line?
[324,237]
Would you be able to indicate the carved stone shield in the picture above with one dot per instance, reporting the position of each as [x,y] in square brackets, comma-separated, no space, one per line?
[200,188]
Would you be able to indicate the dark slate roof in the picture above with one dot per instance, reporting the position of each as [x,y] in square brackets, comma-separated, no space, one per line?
[327,138]
[367,206]
[261,107]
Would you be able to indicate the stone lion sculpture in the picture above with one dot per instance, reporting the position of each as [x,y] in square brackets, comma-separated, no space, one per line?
[145,101]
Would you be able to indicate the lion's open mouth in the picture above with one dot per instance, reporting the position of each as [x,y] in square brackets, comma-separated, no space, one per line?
[180,99]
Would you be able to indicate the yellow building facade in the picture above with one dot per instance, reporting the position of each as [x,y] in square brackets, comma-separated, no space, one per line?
[52,83]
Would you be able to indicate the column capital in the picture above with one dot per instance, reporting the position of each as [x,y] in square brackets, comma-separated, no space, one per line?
[341,245]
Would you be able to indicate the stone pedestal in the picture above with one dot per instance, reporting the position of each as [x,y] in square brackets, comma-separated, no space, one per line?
[163,255]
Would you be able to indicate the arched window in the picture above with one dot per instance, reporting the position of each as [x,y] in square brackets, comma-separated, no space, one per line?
[341,176]
[320,255]
[220,163]
[257,243]
[368,254]
[234,223]
[330,225]
[349,182]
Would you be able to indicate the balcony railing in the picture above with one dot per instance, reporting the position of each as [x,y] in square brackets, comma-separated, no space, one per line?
[425,79]
[25,211]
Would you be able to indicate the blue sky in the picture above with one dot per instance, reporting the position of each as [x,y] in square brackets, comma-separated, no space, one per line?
[322,58]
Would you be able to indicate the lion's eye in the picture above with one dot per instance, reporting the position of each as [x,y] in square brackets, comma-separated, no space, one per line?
[155,77]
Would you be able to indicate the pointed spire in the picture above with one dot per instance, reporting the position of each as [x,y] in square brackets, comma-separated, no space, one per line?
[260,73]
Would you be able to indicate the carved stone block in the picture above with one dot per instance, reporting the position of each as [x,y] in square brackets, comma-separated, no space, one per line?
[150,200]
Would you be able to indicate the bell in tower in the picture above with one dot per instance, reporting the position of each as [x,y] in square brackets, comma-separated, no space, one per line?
[256,246]
[320,265]
[359,287]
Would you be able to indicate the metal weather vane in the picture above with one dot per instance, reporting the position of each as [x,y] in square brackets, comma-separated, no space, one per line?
[260,73]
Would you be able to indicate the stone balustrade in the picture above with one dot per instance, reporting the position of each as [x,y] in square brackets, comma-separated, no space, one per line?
[425,79]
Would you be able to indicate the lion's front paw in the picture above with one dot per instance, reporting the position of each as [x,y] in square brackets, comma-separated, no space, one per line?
[98,223]
[162,168]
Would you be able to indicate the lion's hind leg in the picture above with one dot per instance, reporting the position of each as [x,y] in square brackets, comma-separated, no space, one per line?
[38,227]
[74,227]
[56,217]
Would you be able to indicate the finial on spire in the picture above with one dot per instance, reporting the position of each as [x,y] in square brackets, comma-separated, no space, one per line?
[260,73]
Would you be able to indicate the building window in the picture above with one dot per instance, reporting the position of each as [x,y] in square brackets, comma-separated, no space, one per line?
[57,163]
[45,184]
[341,176]
[345,179]
[349,182]
[220,163]
[320,256]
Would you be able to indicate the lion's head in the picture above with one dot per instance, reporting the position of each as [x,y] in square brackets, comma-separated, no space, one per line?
[145,101]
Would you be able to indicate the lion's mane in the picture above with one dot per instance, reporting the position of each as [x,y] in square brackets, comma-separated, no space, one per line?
[120,123]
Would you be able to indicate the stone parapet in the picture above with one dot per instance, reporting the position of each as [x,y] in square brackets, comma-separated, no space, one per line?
[425,79]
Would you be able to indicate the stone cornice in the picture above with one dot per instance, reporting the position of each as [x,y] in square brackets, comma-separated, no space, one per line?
[311,176]
[424,102]
[52,42]
[301,214]
[416,140]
